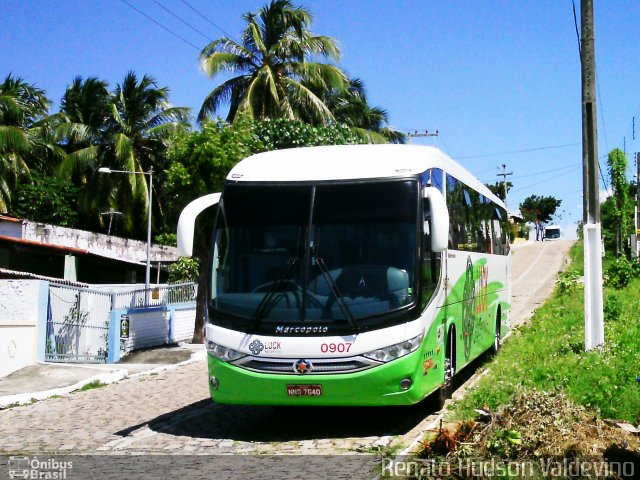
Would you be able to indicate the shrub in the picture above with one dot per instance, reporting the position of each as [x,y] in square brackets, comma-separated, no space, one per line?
[620,273]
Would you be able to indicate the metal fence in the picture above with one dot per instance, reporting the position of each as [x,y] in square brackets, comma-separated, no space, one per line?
[157,296]
[77,325]
[78,318]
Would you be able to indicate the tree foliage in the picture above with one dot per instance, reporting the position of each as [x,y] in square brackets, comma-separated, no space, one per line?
[47,199]
[498,189]
[617,163]
[275,64]
[539,210]
[23,136]
[610,218]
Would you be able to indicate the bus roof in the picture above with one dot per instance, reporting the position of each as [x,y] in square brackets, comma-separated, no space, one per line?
[351,162]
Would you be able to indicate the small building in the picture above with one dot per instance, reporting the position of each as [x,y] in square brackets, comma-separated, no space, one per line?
[41,249]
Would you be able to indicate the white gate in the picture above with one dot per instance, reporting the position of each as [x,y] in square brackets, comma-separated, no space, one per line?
[77,325]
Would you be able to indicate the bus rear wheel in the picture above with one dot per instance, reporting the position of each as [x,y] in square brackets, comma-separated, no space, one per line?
[446,389]
[497,338]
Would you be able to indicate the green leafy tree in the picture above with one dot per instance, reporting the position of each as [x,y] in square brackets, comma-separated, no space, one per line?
[127,129]
[139,126]
[275,64]
[81,127]
[498,189]
[23,113]
[617,163]
[282,133]
[539,210]
[47,199]
[610,218]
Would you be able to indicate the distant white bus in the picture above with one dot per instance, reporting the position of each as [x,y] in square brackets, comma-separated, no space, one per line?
[552,232]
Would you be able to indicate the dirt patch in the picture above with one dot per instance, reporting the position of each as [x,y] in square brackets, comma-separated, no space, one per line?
[535,425]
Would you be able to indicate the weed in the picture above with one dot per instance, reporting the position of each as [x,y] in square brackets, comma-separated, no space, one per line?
[92,385]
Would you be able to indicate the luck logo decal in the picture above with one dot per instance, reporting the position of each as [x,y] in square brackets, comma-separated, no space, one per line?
[256,347]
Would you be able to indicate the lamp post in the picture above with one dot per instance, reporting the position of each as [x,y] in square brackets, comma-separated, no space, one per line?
[148,269]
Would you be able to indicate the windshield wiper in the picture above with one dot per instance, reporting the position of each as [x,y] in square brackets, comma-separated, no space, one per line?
[335,291]
[270,299]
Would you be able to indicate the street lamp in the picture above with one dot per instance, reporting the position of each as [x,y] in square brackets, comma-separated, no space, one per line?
[148,269]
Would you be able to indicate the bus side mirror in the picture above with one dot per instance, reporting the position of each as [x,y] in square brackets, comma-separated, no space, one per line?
[187,222]
[439,219]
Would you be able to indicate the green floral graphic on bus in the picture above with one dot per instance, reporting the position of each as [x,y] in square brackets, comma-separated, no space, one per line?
[468,309]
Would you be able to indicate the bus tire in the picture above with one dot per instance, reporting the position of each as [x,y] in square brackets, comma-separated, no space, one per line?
[446,389]
[497,337]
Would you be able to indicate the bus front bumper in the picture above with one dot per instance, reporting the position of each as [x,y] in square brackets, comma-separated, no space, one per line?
[377,386]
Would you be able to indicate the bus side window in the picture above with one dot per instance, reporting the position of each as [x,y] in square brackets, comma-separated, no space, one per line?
[430,263]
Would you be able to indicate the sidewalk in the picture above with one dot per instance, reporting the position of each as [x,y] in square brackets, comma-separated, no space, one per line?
[44,380]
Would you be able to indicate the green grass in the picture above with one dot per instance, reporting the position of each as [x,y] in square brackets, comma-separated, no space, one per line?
[92,385]
[548,354]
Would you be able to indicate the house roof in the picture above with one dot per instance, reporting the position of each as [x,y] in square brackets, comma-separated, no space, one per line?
[68,250]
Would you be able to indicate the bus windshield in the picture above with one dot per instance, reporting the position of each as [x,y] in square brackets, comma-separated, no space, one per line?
[317,255]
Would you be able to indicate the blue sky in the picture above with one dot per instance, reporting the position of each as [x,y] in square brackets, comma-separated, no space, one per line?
[492,76]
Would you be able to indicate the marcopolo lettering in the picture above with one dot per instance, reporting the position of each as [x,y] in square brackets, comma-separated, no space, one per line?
[303,330]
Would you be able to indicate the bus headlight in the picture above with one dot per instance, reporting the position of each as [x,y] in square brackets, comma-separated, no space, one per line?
[398,350]
[223,353]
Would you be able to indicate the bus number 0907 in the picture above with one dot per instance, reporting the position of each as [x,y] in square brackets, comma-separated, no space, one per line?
[336,347]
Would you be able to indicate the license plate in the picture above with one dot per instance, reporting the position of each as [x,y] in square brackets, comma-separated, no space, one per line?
[304,390]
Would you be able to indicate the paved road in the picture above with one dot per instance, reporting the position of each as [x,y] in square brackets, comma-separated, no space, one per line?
[534,269]
[171,413]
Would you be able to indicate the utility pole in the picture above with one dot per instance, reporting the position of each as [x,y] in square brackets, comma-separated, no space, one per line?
[426,133]
[634,238]
[593,308]
[111,214]
[504,176]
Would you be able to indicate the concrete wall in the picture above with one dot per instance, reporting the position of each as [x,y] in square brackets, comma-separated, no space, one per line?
[23,310]
[184,319]
[98,243]
[151,327]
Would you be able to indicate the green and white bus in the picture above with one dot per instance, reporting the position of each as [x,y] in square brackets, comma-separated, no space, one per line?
[350,275]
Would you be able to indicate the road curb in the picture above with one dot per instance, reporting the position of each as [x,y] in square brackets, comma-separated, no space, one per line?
[26,398]
[108,377]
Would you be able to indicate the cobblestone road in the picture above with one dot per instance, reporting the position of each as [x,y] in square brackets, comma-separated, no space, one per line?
[171,412]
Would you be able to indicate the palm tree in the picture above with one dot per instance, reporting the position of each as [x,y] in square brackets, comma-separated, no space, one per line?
[138,128]
[81,127]
[127,129]
[23,110]
[350,107]
[275,62]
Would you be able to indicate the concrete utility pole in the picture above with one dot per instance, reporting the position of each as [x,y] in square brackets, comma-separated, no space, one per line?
[426,133]
[634,237]
[504,176]
[593,311]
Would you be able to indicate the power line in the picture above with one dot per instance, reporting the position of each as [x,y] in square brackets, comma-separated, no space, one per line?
[546,181]
[496,154]
[200,32]
[207,19]
[161,25]
[553,170]
[575,23]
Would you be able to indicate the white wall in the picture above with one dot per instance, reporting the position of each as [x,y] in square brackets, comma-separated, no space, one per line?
[148,329]
[19,311]
[184,321]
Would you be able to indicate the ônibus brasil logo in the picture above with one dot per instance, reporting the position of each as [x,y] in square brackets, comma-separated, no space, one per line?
[256,347]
